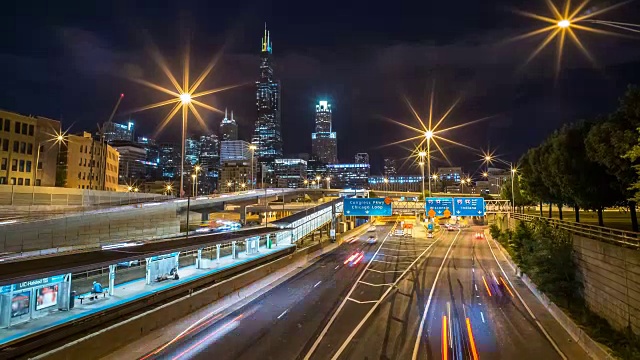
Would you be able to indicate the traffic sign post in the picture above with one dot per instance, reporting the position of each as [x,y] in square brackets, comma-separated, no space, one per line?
[367,207]
[439,206]
[469,206]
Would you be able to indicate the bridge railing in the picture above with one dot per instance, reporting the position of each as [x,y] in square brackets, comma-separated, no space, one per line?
[609,235]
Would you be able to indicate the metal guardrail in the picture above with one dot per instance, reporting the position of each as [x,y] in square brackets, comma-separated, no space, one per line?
[609,235]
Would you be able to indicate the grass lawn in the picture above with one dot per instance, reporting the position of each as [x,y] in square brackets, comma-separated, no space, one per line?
[612,218]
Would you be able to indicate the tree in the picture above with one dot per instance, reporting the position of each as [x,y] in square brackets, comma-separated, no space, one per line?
[582,183]
[519,199]
[609,142]
[633,155]
[531,178]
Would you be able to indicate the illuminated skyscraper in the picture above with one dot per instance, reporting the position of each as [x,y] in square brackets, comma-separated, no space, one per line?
[228,128]
[324,144]
[267,136]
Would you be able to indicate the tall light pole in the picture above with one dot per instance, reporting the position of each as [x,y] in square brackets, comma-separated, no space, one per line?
[428,135]
[185,99]
[386,184]
[318,178]
[197,168]
[328,182]
[194,177]
[253,150]
[513,196]
[435,180]
[229,183]
[422,168]
[306,183]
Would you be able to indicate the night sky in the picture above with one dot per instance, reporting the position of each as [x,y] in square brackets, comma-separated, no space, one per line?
[70,60]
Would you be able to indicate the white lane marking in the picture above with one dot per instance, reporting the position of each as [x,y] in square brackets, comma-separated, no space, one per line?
[482,315]
[375,306]
[413,250]
[362,302]
[546,334]
[384,272]
[337,267]
[284,312]
[476,286]
[335,314]
[370,284]
[318,283]
[393,262]
[416,346]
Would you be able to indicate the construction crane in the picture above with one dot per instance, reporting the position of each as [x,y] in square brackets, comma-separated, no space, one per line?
[102,142]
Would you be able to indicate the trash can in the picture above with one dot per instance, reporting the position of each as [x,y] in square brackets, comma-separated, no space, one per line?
[72,299]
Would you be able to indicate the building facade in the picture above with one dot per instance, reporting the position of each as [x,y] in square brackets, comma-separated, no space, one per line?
[228,128]
[27,154]
[324,143]
[235,150]
[117,132]
[132,164]
[153,170]
[411,183]
[362,158]
[209,164]
[170,155]
[234,176]
[267,135]
[348,175]
[390,167]
[88,163]
[291,173]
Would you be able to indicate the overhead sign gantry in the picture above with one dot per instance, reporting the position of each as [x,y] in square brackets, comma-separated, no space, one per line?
[459,206]
[367,206]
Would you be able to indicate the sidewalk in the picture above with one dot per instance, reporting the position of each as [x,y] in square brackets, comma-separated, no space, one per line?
[124,293]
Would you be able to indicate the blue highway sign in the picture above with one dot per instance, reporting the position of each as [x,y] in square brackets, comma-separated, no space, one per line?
[469,206]
[367,207]
[439,205]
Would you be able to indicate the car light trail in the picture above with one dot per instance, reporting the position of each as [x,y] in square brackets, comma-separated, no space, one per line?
[192,328]
[506,286]
[358,259]
[218,331]
[486,286]
[350,258]
[472,341]
[445,342]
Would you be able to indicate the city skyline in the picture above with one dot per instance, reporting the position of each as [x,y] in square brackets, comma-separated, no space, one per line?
[309,72]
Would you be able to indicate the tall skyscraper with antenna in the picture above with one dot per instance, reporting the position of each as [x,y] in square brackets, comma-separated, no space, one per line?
[228,128]
[267,137]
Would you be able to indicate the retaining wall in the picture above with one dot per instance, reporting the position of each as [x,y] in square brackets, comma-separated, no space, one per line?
[610,276]
[85,230]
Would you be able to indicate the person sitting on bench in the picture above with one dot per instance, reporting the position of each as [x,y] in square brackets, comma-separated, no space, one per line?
[174,274]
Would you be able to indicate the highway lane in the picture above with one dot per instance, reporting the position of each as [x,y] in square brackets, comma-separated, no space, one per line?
[474,313]
[279,324]
[380,318]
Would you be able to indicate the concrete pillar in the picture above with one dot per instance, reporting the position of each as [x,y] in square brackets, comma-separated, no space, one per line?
[247,245]
[233,250]
[112,279]
[243,215]
[218,253]
[204,216]
[199,259]
[148,271]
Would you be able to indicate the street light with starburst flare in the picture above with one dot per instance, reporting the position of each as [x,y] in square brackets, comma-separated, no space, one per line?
[183,98]
[429,132]
[566,22]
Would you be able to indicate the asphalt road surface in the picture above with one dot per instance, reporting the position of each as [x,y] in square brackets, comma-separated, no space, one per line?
[368,301]
[280,324]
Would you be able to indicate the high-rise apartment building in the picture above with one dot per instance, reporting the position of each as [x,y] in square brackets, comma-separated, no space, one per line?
[362,158]
[228,128]
[324,144]
[267,135]
[88,163]
[209,163]
[27,154]
[348,175]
